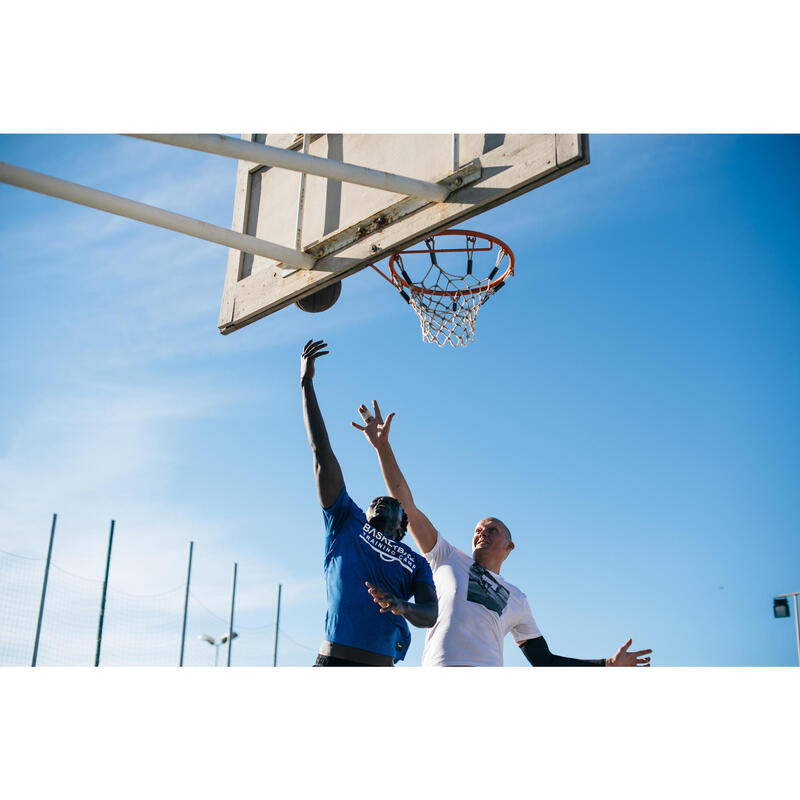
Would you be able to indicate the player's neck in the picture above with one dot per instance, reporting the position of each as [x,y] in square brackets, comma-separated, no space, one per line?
[493,565]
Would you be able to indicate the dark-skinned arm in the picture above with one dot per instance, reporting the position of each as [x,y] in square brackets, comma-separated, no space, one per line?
[421,613]
[327,471]
[538,654]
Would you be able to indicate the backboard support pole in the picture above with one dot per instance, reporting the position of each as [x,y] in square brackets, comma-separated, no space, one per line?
[301,162]
[121,206]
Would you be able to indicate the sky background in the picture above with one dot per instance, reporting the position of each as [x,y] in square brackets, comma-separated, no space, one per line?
[658,295]
[628,409]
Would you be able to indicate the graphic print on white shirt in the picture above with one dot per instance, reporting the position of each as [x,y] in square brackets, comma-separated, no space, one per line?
[477,609]
[486,590]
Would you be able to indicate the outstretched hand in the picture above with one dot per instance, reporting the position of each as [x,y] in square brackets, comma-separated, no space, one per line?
[311,352]
[634,658]
[387,602]
[375,429]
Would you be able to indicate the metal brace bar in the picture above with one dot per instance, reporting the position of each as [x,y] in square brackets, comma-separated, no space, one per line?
[85,196]
[464,176]
[301,162]
[301,197]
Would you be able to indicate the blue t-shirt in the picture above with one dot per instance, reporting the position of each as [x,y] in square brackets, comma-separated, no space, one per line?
[356,552]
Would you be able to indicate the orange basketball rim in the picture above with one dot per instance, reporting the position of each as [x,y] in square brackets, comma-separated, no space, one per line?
[447,298]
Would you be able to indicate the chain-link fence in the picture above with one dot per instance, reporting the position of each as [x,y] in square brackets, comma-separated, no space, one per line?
[50,616]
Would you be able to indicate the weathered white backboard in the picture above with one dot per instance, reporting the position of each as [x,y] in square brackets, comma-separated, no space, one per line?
[348,227]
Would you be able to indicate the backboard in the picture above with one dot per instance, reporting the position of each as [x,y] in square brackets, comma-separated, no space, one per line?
[347,227]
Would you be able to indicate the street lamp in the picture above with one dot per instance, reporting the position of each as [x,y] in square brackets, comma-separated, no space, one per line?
[780,608]
[217,644]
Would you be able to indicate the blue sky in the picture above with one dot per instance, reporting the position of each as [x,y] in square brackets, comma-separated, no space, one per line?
[628,408]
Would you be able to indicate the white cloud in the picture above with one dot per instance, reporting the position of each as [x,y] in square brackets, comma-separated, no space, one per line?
[98,452]
[86,444]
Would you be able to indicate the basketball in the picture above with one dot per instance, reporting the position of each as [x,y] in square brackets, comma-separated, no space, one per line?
[321,300]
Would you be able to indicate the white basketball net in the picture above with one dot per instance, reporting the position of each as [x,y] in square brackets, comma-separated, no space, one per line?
[440,322]
[449,318]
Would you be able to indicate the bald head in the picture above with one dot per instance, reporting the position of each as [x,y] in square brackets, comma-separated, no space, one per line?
[491,543]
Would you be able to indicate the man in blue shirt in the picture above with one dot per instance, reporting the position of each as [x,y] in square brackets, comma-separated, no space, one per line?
[369,574]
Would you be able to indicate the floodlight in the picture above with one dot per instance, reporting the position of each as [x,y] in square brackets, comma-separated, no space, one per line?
[780,607]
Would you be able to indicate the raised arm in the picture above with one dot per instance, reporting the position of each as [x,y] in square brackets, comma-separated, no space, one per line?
[377,431]
[538,654]
[327,471]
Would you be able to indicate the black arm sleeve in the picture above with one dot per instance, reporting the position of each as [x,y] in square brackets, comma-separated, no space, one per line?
[538,654]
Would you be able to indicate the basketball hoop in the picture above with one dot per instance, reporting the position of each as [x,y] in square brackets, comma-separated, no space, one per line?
[447,296]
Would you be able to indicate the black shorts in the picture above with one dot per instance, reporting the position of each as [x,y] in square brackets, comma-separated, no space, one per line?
[333,661]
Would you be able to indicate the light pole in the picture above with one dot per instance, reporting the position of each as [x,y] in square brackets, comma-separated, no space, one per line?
[217,644]
[780,608]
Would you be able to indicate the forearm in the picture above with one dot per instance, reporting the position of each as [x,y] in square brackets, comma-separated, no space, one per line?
[420,527]
[326,468]
[538,654]
[421,615]
[566,661]
[393,477]
[312,416]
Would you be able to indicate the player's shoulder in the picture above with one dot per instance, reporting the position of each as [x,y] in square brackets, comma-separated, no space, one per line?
[410,551]
[443,551]
[343,515]
[343,503]
[515,591]
[419,559]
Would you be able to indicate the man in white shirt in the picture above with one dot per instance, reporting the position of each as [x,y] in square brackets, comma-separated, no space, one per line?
[477,607]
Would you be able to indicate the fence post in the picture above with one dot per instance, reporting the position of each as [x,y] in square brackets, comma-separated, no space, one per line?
[186,603]
[277,625]
[230,624]
[103,601]
[44,591]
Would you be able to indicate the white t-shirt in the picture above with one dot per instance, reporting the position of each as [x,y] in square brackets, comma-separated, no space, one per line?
[477,608]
